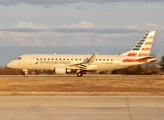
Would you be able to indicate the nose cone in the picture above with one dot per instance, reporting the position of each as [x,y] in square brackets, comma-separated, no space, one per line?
[9,65]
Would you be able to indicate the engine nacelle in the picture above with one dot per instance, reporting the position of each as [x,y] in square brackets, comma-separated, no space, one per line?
[61,70]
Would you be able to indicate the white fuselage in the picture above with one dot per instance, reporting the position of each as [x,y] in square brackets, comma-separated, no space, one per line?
[50,61]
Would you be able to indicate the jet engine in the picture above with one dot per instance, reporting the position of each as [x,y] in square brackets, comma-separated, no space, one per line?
[61,70]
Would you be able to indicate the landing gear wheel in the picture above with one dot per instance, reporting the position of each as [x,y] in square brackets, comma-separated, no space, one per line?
[79,74]
[25,74]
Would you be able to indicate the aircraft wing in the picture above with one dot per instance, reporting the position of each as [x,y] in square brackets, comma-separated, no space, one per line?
[84,65]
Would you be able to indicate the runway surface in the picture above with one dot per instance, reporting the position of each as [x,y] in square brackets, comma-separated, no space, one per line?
[2,77]
[81,108]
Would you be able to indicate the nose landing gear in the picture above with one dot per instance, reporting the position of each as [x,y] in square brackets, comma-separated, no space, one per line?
[25,73]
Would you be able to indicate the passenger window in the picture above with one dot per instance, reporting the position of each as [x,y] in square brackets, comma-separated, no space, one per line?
[44,58]
[48,58]
[52,59]
[40,58]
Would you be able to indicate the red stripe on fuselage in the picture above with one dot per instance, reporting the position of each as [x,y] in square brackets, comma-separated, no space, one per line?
[133,60]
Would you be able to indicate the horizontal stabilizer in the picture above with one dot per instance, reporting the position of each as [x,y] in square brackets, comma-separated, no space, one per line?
[149,58]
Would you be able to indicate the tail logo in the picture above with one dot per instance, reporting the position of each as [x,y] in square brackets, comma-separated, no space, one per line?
[143,47]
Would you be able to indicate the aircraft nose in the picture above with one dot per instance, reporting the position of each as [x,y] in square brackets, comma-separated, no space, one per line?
[9,65]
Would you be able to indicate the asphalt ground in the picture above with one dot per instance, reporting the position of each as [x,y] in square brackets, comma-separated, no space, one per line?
[81,108]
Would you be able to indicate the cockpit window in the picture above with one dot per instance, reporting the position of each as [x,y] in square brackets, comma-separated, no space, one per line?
[19,58]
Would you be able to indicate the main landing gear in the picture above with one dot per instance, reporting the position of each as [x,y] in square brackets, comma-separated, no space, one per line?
[79,74]
[25,73]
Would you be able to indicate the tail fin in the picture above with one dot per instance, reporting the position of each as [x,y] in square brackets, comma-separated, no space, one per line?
[143,47]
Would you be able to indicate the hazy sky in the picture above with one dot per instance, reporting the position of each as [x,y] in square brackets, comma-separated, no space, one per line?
[77,26]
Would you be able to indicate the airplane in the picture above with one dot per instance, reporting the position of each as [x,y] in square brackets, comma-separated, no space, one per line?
[79,64]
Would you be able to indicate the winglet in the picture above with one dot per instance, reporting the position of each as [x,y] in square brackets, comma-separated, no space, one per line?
[91,59]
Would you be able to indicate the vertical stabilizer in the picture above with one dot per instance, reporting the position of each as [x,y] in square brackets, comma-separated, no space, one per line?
[143,47]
